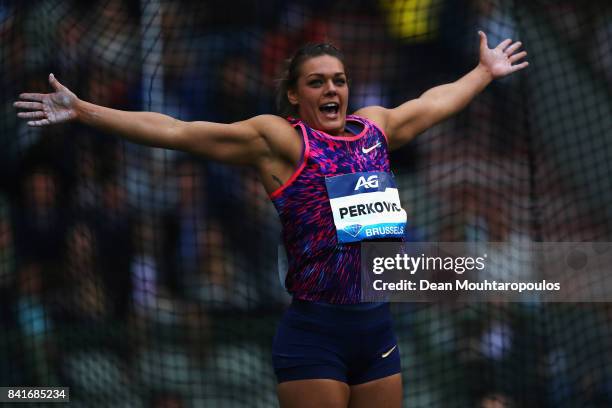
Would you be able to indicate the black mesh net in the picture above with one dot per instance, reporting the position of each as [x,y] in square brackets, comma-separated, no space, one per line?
[146,277]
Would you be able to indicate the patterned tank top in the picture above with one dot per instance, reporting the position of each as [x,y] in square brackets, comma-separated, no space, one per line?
[341,194]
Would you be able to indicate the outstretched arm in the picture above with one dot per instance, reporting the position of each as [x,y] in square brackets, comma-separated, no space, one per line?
[238,143]
[406,121]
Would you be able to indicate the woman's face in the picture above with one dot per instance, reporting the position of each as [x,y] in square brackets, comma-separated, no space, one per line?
[321,94]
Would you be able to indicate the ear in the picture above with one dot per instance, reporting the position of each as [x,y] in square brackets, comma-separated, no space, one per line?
[292,97]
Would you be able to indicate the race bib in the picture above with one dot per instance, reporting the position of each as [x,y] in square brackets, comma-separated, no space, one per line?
[365,206]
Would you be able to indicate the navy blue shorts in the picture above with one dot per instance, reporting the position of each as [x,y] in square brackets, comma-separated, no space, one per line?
[353,344]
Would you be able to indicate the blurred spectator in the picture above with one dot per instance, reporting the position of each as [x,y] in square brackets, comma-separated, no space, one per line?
[114,227]
[413,21]
[35,323]
[219,284]
[183,225]
[7,259]
[495,401]
[145,269]
[498,23]
[299,24]
[83,293]
[111,43]
[86,188]
[257,242]
[497,340]
[600,55]
[239,94]
[183,96]
[167,400]
[10,369]
[40,223]
[199,334]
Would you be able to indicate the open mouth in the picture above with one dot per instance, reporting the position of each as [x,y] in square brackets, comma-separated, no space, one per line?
[330,109]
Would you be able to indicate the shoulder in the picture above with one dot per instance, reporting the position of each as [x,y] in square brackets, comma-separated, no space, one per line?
[269,123]
[274,129]
[376,114]
[280,135]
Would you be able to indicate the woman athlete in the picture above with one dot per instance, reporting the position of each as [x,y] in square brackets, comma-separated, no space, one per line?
[330,350]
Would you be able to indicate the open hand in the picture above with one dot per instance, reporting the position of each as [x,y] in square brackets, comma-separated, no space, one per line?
[47,109]
[499,60]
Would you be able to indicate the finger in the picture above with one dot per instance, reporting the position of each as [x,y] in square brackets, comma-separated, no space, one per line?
[55,83]
[32,115]
[520,66]
[517,57]
[42,122]
[513,48]
[32,96]
[502,45]
[28,105]
[483,40]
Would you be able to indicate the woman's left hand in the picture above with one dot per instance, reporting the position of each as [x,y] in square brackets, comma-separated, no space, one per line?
[499,61]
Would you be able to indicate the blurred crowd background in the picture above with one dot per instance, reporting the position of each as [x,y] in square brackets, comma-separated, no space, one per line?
[145,277]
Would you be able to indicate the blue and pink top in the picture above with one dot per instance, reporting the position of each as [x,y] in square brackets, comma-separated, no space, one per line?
[342,193]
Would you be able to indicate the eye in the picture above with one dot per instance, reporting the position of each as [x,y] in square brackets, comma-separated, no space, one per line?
[315,83]
[340,81]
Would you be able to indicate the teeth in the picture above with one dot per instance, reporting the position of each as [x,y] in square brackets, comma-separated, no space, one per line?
[330,105]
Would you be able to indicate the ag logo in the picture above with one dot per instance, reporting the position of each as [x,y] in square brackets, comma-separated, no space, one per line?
[371,182]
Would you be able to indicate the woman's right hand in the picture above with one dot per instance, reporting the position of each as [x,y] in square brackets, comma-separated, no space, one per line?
[46,109]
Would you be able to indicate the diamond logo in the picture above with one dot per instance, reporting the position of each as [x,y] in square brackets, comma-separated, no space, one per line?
[353,230]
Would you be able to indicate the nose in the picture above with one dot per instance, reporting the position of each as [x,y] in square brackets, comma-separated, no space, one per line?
[330,89]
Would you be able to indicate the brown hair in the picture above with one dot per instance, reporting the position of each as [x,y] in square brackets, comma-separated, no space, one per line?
[292,72]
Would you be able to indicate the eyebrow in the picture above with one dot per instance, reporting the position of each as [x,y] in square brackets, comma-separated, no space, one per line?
[320,74]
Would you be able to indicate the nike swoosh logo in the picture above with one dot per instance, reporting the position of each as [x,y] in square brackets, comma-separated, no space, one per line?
[386,354]
[367,150]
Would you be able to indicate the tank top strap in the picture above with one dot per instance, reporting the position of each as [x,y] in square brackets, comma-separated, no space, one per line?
[293,121]
[359,119]
[368,123]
